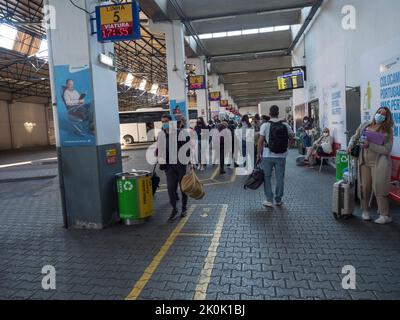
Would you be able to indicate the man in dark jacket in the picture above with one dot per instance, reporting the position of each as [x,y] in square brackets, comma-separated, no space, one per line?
[174,169]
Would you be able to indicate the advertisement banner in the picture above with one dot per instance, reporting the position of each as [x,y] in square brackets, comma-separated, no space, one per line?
[390,93]
[381,85]
[74,105]
[224,103]
[197,82]
[215,96]
[178,110]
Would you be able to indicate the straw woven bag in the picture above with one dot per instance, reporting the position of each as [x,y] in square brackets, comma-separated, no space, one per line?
[192,186]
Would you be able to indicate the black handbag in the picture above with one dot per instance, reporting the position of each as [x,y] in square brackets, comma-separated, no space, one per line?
[255,180]
[355,151]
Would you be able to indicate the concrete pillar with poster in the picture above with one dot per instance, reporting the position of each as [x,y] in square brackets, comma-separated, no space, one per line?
[85,105]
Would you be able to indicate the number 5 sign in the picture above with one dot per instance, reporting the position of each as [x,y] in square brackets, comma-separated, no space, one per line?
[119,22]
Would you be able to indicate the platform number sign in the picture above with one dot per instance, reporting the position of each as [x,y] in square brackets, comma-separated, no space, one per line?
[118,22]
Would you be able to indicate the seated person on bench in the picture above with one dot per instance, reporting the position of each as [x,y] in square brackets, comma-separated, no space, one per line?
[321,148]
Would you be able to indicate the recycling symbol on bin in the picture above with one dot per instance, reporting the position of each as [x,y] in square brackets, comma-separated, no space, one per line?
[344,159]
[128,186]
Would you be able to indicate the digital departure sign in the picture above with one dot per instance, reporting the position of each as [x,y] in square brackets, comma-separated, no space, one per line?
[291,81]
[119,22]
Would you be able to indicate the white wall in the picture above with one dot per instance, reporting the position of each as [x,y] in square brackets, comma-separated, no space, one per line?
[5,133]
[336,58]
[250,110]
[263,107]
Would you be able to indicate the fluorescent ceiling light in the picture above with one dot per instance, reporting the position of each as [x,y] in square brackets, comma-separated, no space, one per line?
[240,84]
[7,36]
[219,35]
[282,28]
[206,36]
[250,31]
[234,33]
[268,29]
[237,73]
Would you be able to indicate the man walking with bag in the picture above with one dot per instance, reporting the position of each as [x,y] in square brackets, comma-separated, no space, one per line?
[272,149]
[174,169]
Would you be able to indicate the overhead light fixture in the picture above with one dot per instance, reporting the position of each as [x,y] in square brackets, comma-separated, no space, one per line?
[240,84]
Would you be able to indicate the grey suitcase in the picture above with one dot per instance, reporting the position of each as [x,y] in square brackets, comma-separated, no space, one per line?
[343,198]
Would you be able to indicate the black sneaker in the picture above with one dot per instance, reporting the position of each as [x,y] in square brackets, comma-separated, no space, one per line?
[184,213]
[173,215]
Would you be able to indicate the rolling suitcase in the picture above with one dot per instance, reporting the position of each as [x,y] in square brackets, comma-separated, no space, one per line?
[343,197]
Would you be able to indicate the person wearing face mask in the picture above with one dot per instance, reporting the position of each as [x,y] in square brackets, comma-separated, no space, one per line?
[174,169]
[375,165]
[321,148]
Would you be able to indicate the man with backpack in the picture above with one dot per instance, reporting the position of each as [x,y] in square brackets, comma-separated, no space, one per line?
[272,151]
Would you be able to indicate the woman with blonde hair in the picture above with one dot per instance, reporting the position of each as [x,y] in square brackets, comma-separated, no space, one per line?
[321,148]
[375,165]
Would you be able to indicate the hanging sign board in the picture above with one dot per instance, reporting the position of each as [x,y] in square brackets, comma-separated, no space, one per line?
[224,103]
[291,81]
[215,96]
[118,22]
[197,83]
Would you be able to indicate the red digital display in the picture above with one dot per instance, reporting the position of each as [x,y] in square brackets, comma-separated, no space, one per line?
[109,31]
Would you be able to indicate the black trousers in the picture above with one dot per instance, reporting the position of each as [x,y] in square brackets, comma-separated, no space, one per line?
[175,173]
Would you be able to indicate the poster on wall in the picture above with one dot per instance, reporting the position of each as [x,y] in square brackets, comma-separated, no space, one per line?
[178,110]
[390,92]
[74,105]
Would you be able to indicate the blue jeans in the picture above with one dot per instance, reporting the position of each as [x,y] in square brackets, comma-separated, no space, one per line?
[268,164]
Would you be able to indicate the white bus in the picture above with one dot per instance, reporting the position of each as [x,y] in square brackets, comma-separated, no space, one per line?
[135,125]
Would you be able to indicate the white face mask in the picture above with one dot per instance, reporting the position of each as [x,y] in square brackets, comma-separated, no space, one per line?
[326,134]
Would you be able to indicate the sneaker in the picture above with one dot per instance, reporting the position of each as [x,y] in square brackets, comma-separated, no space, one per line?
[184,213]
[173,215]
[279,203]
[268,204]
[366,216]
[383,220]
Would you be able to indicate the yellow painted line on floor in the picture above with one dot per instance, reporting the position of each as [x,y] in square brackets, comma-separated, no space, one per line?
[148,273]
[205,276]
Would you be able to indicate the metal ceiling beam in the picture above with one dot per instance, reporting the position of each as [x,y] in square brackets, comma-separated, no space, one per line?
[305,25]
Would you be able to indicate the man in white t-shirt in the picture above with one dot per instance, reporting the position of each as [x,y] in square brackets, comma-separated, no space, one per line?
[272,149]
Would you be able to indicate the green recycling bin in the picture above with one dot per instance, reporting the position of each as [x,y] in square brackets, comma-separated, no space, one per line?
[342,163]
[135,196]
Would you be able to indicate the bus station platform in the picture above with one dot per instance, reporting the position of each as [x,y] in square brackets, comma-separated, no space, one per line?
[228,247]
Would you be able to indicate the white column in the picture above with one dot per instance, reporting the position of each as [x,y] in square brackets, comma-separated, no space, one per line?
[175,45]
